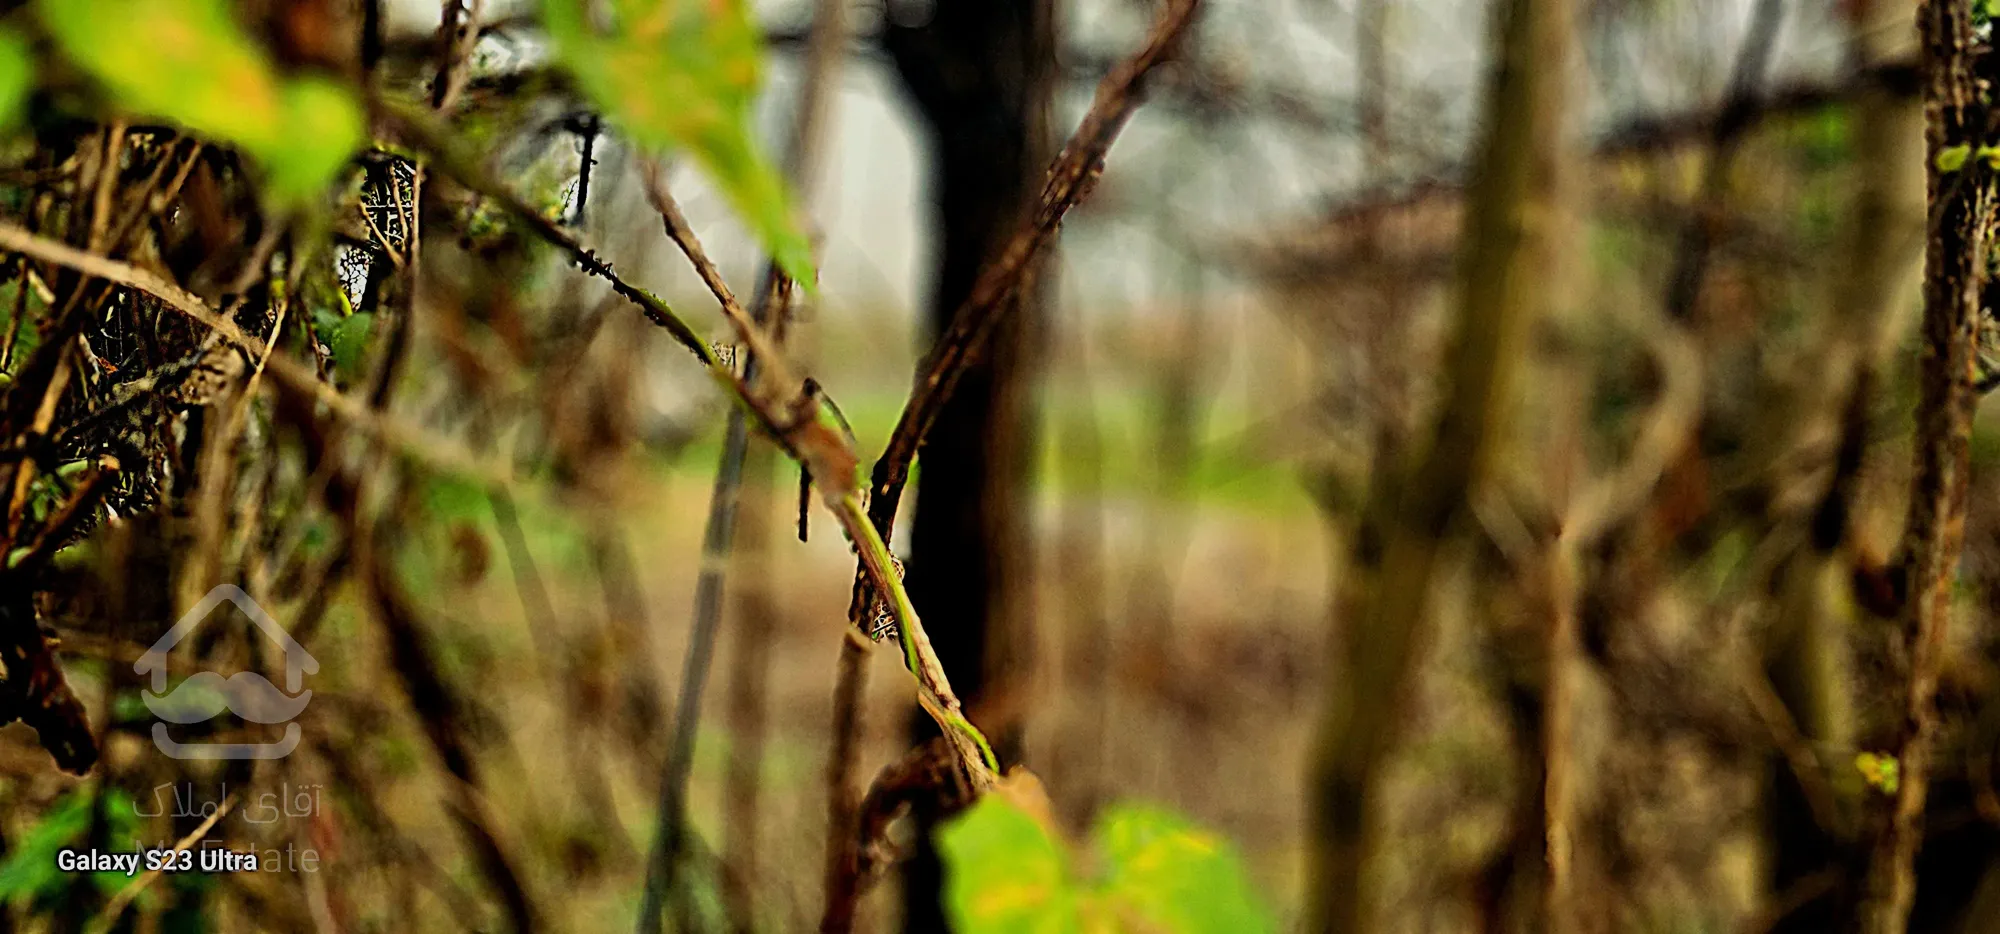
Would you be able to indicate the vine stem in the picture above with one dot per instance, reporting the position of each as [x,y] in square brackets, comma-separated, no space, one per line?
[918,656]
[777,399]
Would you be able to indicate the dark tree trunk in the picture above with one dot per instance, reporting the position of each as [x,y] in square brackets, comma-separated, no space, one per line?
[979,75]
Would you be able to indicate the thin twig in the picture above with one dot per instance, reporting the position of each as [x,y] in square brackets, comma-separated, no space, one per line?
[116,906]
[802,158]
[1697,236]
[1511,223]
[146,199]
[458,31]
[718,538]
[1603,506]
[440,711]
[1806,767]
[422,132]
[795,419]
[107,184]
[590,130]
[1070,180]
[68,518]
[388,249]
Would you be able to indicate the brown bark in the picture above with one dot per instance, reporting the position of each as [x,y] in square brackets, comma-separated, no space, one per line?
[979,75]
[1960,220]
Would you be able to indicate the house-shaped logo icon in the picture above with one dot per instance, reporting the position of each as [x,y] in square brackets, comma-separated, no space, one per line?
[247,694]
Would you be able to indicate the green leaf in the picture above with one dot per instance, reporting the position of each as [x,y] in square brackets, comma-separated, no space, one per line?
[1952,158]
[1005,873]
[189,61]
[684,74]
[323,128]
[346,338]
[450,498]
[1175,876]
[1880,770]
[17,75]
[30,868]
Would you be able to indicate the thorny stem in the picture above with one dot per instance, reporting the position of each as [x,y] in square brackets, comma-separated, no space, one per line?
[917,655]
[828,456]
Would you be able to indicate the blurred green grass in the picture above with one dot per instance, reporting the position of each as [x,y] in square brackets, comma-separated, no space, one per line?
[1221,475]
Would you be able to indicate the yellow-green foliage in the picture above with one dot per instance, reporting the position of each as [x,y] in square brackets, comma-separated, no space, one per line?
[1155,872]
[189,61]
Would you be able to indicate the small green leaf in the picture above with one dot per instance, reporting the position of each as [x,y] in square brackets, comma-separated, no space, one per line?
[1006,873]
[1952,158]
[1879,770]
[190,62]
[346,339]
[684,74]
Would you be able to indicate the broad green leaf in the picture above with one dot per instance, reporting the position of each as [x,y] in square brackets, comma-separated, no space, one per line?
[1006,873]
[190,62]
[17,75]
[683,74]
[1176,876]
[182,59]
[323,127]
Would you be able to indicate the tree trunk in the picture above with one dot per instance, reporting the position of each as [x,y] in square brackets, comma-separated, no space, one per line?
[1960,220]
[1504,258]
[980,77]
[1808,648]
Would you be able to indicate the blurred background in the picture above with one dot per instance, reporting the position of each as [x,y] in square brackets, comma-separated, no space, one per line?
[1147,535]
